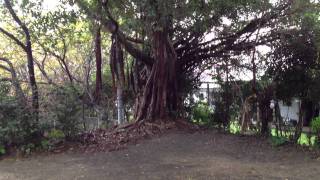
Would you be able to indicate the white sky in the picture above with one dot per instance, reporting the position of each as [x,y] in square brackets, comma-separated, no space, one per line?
[50,4]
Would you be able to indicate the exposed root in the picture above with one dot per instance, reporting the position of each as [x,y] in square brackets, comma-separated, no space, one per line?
[119,137]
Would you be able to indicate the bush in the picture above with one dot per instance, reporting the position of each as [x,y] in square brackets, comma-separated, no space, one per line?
[2,150]
[60,109]
[315,127]
[66,108]
[220,116]
[28,148]
[202,113]
[15,123]
[53,138]
[17,126]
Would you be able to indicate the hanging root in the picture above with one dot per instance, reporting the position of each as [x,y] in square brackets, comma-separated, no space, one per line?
[116,62]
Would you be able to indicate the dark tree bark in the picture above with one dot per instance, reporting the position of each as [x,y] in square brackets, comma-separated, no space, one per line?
[264,99]
[98,64]
[299,126]
[160,92]
[62,60]
[227,97]
[32,78]
[41,67]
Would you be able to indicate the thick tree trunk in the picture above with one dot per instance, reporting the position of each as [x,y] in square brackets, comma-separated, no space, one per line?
[98,65]
[32,79]
[159,99]
[264,99]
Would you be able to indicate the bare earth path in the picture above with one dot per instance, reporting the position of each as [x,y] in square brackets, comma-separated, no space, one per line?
[173,156]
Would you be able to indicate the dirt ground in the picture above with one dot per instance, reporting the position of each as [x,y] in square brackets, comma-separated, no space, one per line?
[178,155]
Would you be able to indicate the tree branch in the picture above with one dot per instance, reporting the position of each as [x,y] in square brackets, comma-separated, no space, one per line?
[110,26]
[12,37]
[5,68]
[203,52]
[17,19]
[14,79]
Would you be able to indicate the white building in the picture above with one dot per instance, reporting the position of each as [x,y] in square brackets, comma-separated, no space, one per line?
[290,112]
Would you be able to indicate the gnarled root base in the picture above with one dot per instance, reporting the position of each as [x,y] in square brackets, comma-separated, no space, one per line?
[119,137]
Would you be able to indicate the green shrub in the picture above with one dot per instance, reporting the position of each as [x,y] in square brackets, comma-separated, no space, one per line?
[2,150]
[234,127]
[202,113]
[27,149]
[56,134]
[315,127]
[53,138]
[220,115]
[67,110]
[17,125]
[45,144]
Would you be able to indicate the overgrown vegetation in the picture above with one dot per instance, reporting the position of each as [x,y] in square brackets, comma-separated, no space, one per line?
[71,68]
[315,126]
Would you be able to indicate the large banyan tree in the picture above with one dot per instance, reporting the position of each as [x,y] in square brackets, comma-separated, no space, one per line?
[174,41]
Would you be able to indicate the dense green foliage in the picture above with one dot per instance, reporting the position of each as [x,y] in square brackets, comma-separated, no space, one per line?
[16,124]
[67,109]
[315,125]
